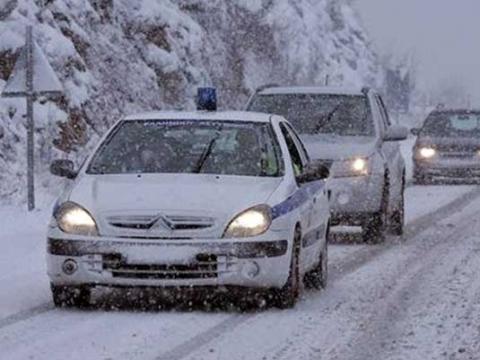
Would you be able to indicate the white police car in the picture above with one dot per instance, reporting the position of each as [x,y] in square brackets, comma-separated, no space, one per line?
[173,199]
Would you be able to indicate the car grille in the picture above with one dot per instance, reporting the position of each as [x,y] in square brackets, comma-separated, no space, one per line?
[204,268]
[462,148]
[457,155]
[172,222]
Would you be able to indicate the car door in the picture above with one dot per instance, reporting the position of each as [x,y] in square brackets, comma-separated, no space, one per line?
[391,150]
[321,206]
[316,208]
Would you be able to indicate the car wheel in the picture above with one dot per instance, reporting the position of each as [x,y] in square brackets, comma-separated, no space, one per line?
[374,227]
[286,297]
[397,220]
[317,278]
[71,296]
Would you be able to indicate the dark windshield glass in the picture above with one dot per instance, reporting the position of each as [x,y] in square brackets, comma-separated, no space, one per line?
[320,114]
[461,124]
[229,148]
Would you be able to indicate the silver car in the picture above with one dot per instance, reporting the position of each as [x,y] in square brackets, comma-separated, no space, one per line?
[350,131]
[448,147]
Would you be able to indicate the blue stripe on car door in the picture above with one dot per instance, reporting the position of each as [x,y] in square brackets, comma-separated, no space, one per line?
[298,198]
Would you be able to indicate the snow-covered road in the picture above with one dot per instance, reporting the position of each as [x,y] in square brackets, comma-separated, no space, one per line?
[412,298]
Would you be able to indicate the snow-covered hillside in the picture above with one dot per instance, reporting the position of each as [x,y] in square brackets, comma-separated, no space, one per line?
[122,56]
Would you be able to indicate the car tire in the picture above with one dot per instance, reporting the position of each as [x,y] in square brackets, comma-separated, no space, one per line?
[397,220]
[317,278]
[71,296]
[374,228]
[286,297]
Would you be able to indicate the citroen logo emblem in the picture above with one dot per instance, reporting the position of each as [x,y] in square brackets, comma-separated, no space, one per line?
[164,222]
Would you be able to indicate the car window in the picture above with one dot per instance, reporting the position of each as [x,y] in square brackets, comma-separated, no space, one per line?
[312,114]
[452,124]
[210,147]
[299,143]
[293,150]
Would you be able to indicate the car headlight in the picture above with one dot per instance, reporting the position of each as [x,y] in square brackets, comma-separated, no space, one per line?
[426,152]
[252,222]
[352,167]
[74,219]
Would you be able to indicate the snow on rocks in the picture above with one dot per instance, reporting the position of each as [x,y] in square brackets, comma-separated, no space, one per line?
[121,57]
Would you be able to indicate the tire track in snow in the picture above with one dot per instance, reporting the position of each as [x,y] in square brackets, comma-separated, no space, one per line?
[183,350]
[388,311]
[26,314]
[415,227]
[365,343]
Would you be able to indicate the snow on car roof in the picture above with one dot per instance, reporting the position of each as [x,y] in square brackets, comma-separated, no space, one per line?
[321,90]
[202,115]
[456,111]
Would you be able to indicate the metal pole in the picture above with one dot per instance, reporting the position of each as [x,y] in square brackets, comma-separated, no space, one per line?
[30,123]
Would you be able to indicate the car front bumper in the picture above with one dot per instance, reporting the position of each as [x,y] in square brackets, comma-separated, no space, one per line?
[448,168]
[169,262]
[354,198]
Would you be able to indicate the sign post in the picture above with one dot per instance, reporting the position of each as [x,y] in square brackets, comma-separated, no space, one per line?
[30,122]
[32,76]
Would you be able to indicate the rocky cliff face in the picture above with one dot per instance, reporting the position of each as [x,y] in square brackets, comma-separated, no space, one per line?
[122,56]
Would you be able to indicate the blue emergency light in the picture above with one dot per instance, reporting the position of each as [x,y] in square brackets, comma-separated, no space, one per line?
[207,99]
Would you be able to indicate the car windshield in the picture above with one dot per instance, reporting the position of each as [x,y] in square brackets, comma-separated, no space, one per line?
[452,124]
[173,146]
[342,115]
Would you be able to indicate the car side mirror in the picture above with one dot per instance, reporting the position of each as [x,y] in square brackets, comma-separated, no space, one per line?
[396,133]
[314,171]
[63,168]
[415,131]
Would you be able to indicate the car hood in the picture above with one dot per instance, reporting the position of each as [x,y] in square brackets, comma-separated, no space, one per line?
[193,196]
[331,147]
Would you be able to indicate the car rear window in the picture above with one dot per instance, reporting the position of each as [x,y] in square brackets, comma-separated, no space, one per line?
[344,115]
[178,146]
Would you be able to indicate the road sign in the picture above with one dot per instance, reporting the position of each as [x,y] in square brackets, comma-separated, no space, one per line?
[44,79]
[32,76]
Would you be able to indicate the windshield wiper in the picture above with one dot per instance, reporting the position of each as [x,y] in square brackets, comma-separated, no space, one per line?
[206,153]
[325,119]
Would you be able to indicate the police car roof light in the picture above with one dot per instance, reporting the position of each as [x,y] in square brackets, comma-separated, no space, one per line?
[207,99]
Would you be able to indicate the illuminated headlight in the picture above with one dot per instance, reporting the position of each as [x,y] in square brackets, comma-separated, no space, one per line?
[73,219]
[252,222]
[349,168]
[426,152]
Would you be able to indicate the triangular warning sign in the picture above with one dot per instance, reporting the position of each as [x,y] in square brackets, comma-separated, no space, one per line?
[44,79]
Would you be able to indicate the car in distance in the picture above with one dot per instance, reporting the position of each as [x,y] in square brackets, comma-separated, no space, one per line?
[176,199]
[350,131]
[447,147]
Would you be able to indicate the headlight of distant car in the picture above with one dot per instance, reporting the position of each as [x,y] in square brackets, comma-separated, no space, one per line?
[74,219]
[426,152]
[353,167]
[252,222]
